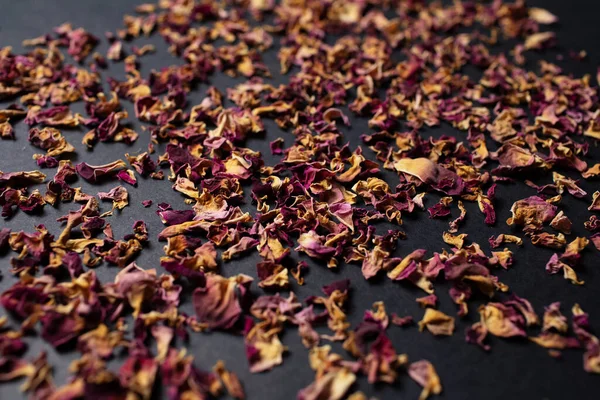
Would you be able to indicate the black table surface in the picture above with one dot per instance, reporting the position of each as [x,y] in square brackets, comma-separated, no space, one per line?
[514,369]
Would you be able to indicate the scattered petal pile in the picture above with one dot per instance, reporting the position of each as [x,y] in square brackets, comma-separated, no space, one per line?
[327,201]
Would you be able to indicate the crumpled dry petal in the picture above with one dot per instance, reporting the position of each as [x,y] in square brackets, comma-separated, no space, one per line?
[437,322]
[220,303]
[425,375]
[432,174]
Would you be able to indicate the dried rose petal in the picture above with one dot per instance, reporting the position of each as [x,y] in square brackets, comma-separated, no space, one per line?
[437,322]
[95,173]
[432,174]
[425,375]
[218,303]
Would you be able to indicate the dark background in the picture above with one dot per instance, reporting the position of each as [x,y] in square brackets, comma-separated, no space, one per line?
[513,369]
